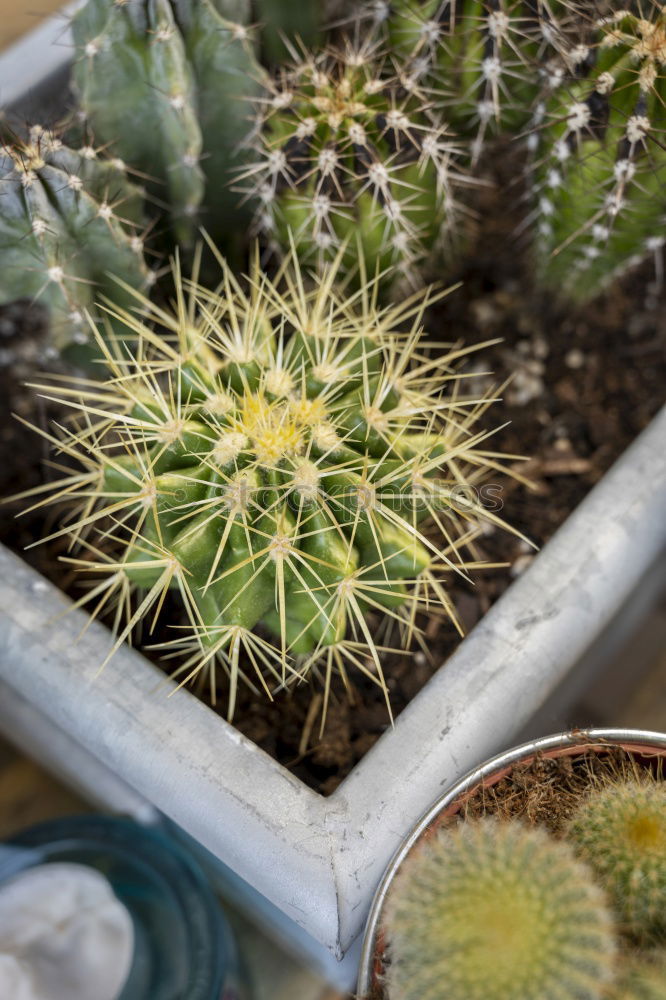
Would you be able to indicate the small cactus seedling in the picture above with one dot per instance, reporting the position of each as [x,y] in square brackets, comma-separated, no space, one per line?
[345,152]
[601,165]
[67,219]
[496,911]
[641,978]
[287,462]
[486,61]
[167,85]
[621,830]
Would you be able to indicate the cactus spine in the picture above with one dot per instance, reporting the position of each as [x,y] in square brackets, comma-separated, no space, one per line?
[641,978]
[496,911]
[279,466]
[167,85]
[601,165]
[621,830]
[67,220]
[347,154]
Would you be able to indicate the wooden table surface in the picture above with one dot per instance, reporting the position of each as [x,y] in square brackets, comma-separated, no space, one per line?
[18,17]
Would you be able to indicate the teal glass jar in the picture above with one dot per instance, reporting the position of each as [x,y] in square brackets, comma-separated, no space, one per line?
[183,946]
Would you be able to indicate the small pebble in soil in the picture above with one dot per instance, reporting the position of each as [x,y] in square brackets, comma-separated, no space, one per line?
[485,312]
[574,358]
[486,529]
[527,384]
[540,348]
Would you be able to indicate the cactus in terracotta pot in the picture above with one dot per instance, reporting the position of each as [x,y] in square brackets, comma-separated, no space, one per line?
[620,829]
[496,911]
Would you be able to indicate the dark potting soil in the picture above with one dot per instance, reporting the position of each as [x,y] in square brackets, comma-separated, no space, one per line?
[585,383]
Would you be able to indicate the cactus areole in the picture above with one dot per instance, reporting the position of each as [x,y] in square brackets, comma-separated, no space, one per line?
[167,85]
[485,61]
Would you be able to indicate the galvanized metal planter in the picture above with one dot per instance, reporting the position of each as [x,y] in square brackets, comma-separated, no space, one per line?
[308,865]
[319,860]
[488,772]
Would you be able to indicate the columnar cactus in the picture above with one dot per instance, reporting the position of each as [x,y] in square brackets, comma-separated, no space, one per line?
[67,220]
[167,85]
[348,156]
[487,61]
[496,911]
[621,830]
[601,162]
[291,464]
[641,978]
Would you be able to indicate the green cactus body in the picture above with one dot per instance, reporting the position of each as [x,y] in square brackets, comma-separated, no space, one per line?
[279,467]
[182,77]
[621,831]
[496,911]
[601,164]
[641,978]
[68,220]
[484,60]
[286,24]
[348,157]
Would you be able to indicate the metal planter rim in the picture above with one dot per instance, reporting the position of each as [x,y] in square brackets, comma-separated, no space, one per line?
[573,739]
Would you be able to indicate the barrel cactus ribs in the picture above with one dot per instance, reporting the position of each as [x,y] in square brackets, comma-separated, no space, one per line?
[287,462]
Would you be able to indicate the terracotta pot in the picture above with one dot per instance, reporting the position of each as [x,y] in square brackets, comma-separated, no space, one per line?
[645,745]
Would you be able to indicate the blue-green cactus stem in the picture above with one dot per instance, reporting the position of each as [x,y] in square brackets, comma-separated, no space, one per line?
[182,76]
[69,220]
